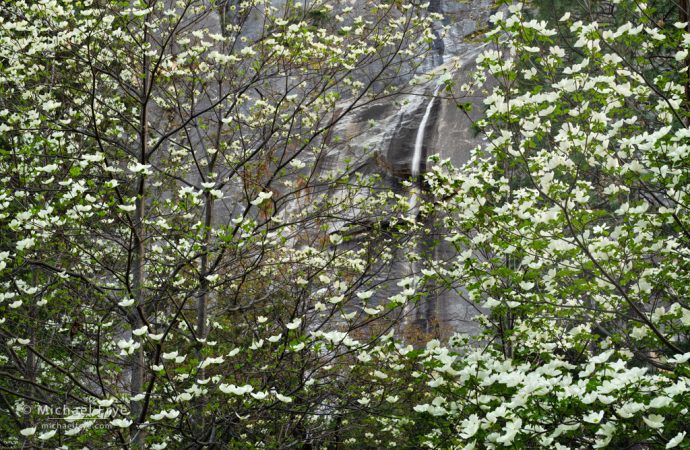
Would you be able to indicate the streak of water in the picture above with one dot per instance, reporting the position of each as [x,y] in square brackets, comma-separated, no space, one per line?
[419,140]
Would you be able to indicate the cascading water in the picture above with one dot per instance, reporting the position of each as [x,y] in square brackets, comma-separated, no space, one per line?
[419,139]
[436,58]
[416,164]
[424,312]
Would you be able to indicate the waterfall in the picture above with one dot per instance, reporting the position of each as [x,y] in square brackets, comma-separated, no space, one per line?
[419,140]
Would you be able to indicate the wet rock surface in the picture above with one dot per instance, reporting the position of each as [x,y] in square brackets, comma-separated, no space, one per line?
[381,137]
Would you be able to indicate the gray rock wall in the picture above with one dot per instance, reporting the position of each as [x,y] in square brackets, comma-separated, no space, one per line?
[381,138]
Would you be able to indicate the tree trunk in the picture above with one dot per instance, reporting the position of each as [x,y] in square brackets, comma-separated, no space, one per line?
[138,271]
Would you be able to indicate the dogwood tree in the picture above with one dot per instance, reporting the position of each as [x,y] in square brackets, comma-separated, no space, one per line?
[571,229]
[171,269]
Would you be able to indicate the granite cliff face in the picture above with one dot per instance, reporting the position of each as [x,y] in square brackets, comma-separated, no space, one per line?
[395,138]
